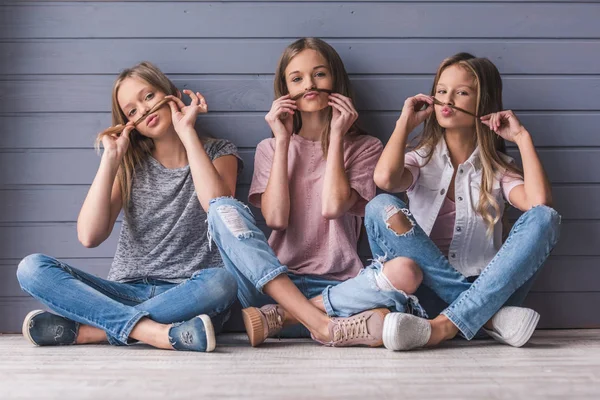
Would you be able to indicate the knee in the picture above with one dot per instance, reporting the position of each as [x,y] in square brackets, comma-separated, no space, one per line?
[403,274]
[224,286]
[29,268]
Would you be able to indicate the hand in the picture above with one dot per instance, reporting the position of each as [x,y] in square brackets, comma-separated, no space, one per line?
[280,117]
[184,117]
[505,124]
[413,114]
[344,114]
[117,145]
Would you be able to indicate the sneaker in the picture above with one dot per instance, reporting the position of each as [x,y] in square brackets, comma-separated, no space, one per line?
[403,331]
[262,323]
[197,334]
[42,328]
[364,329]
[514,325]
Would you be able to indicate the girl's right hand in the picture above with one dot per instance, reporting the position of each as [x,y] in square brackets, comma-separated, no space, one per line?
[412,113]
[280,117]
[116,146]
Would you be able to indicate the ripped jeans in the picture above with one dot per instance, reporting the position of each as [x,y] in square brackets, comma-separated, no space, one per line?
[528,245]
[247,255]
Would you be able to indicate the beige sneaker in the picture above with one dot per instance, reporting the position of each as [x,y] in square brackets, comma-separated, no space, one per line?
[364,329]
[263,322]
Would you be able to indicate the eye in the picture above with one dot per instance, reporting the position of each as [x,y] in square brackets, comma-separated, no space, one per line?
[131,112]
[149,96]
[320,74]
[441,91]
[463,93]
[296,79]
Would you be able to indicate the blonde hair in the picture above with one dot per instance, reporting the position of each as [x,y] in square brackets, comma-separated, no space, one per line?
[140,146]
[341,82]
[491,145]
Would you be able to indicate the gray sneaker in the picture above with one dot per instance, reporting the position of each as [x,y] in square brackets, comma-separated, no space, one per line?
[514,325]
[262,323]
[364,329]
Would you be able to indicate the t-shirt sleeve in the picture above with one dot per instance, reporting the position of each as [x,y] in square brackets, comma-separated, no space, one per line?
[411,163]
[263,160]
[360,170]
[216,148]
[509,181]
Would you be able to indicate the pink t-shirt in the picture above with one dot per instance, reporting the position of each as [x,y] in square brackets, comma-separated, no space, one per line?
[311,244]
[443,228]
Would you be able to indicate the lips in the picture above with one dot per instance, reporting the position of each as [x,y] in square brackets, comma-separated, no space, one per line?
[152,120]
[311,95]
[447,111]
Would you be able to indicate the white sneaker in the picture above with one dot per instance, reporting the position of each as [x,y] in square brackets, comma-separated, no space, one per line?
[514,325]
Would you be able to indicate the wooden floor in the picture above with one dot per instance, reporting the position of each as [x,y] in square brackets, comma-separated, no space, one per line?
[555,364]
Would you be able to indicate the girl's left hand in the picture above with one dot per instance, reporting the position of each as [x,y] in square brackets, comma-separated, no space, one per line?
[184,117]
[344,114]
[505,124]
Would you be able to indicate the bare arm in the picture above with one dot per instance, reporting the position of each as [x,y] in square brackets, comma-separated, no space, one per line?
[390,174]
[103,201]
[275,201]
[338,197]
[536,189]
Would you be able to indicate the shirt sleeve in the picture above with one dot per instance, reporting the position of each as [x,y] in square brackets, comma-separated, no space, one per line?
[263,160]
[216,148]
[360,170]
[509,181]
[411,163]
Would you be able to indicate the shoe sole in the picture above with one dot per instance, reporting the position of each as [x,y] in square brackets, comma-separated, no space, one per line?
[211,342]
[521,337]
[389,327]
[25,328]
[253,324]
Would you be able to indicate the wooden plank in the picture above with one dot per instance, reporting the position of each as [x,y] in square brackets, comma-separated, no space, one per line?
[361,56]
[247,129]
[56,166]
[104,20]
[28,94]
[61,203]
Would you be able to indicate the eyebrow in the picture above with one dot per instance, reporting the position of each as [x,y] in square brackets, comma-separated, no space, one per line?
[317,67]
[138,95]
[460,86]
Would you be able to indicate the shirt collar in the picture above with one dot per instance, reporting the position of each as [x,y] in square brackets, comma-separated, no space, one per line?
[441,150]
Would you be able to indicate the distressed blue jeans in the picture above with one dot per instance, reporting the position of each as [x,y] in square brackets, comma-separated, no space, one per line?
[471,305]
[247,256]
[117,307]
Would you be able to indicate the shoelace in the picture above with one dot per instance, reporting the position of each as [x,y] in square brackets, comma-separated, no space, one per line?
[274,321]
[355,328]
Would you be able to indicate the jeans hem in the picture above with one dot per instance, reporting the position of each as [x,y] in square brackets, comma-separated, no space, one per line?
[126,331]
[462,327]
[269,277]
[327,302]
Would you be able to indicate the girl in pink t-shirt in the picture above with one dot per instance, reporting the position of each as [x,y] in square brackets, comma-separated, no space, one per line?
[312,181]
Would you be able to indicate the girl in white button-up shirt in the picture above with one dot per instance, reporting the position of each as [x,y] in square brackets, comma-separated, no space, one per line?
[458,179]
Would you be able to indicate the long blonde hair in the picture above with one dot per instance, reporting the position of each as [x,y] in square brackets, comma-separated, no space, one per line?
[491,145]
[140,146]
[341,82]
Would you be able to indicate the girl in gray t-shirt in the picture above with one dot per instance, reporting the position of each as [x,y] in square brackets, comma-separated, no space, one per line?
[166,287]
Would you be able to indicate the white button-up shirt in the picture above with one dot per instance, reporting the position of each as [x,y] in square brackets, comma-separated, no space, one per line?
[471,248]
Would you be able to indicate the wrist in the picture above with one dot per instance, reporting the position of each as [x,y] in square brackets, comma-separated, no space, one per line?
[523,137]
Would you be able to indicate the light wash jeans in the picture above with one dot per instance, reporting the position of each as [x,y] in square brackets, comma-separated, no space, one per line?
[117,307]
[514,267]
[248,257]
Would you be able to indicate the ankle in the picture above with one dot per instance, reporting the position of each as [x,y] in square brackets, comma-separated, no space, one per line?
[442,329]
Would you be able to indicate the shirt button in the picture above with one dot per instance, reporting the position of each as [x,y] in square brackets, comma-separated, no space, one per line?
[460,199]
[460,170]
[442,191]
[453,255]
[458,229]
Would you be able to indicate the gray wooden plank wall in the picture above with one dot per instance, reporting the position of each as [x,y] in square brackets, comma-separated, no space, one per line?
[58,60]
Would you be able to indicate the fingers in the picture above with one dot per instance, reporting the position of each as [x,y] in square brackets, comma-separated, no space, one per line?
[176,100]
[174,107]
[343,105]
[128,128]
[202,102]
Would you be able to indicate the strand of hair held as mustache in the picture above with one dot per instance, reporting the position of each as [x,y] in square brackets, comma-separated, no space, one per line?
[441,103]
[301,94]
[116,130]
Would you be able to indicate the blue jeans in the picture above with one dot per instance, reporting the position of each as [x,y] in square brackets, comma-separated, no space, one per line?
[515,265]
[249,258]
[117,307]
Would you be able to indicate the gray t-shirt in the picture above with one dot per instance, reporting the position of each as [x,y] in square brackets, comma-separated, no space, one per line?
[164,232]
